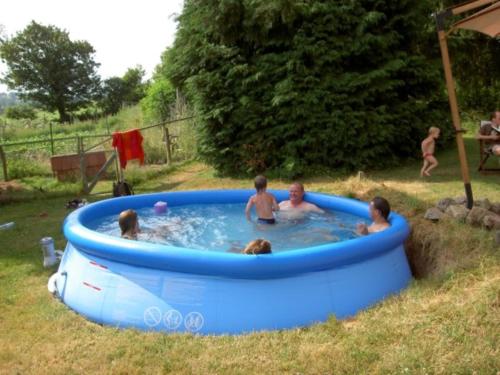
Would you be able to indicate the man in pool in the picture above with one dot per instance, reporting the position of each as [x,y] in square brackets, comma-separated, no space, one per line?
[296,202]
[379,212]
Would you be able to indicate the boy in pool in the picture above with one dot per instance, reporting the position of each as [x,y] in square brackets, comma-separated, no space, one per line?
[265,203]
[379,212]
[129,224]
[428,146]
[258,246]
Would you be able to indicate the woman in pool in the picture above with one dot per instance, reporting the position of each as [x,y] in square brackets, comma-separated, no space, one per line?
[379,212]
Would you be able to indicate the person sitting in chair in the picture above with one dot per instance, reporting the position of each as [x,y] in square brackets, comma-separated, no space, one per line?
[490,133]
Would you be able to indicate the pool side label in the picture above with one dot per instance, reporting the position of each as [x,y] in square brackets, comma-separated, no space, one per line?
[172,319]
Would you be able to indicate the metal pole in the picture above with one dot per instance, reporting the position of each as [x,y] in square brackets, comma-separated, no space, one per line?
[454,107]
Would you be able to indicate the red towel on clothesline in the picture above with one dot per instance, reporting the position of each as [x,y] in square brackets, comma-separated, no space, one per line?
[129,146]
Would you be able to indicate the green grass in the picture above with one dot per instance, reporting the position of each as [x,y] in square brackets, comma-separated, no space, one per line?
[446,322]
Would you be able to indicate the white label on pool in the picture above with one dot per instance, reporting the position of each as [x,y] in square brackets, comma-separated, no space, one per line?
[152,316]
[172,319]
[193,321]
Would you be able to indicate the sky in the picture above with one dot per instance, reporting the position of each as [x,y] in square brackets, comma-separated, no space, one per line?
[124,33]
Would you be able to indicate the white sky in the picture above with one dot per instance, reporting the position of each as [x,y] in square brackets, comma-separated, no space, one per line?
[124,33]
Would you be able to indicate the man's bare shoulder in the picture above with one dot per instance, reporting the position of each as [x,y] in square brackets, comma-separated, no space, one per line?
[310,207]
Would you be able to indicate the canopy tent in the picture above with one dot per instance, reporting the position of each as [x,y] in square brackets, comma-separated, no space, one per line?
[486,21]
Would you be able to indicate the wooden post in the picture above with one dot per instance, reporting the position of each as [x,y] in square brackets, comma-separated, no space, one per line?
[168,145]
[107,124]
[454,107]
[83,167]
[4,164]
[51,139]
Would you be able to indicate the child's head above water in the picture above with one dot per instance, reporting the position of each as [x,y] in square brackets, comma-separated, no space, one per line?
[258,246]
[260,183]
[129,224]
[382,206]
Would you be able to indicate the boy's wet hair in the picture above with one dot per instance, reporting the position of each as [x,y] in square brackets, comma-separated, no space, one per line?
[258,246]
[382,205]
[260,182]
[127,220]
[494,114]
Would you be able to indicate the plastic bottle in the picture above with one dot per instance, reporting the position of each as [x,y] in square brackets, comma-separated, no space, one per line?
[49,254]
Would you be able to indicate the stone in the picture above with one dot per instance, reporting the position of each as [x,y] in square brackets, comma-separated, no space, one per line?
[433,214]
[476,215]
[461,200]
[495,207]
[491,221]
[457,212]
[444,203]
[483,203]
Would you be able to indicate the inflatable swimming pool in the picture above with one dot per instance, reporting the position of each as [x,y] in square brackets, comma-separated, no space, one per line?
[157,287]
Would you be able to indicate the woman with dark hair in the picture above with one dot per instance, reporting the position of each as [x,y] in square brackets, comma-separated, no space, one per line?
[379,212]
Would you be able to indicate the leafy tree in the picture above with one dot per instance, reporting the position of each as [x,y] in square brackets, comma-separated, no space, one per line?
[159,100]
[286,85]
[3,34]
[160,95]
[45,66]
[135,88]
[112,95]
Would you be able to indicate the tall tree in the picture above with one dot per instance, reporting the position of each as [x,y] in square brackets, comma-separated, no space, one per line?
[112,95]
[290,84]
[135,88]
[46,66]
[160,96]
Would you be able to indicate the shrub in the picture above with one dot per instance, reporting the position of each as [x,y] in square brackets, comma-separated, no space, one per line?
[289,85]
[21,111]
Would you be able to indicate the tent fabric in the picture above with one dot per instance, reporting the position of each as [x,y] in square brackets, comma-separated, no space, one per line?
[486,21]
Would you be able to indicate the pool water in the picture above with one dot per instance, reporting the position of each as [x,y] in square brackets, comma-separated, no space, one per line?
[224,228]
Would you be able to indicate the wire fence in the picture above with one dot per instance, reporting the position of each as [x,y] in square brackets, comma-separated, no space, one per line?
[164,143]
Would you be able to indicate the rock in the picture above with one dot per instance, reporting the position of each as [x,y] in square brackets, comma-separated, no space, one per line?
[497,237]
[483,203]
[461,200]
[495,207]
[433,214]
[444,203]
[476,215]
[457,212]
[491,221]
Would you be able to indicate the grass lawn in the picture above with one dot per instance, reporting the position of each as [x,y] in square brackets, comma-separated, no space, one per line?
[446,322]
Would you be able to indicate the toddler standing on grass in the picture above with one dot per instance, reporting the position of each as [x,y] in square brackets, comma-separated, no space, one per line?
[428,147]
[265,203]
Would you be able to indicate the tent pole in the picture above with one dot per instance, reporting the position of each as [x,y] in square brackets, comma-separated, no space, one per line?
[458,9]
[454,107]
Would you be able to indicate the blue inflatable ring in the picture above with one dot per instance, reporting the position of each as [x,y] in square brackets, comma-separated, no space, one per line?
[156,287]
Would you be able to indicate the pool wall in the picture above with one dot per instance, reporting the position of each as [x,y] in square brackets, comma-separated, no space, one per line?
[163,288]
